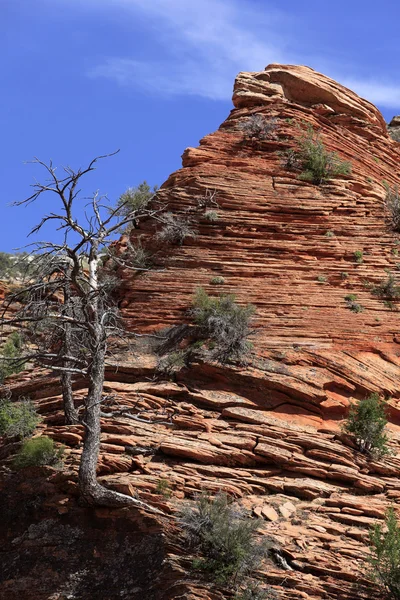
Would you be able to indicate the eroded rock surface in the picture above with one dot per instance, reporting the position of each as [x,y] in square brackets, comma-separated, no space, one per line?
[268,432]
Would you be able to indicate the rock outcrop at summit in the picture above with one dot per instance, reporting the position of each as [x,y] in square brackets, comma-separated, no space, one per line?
[267,432]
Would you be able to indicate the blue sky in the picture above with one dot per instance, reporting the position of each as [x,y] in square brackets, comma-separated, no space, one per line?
[151,77]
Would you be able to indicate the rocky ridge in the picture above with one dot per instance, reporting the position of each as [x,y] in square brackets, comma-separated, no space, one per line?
[268,432]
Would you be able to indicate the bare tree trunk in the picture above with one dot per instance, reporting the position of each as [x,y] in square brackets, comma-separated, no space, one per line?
[70,412]
[91,491]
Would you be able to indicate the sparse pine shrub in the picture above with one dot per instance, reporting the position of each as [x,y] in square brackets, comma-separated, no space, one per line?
[352,304]
[138,257]
[175,229]
[172,363]
[392,202]
[258,127]
[321,278]
[224,537]
[317,164]
[38,452]
[135,199]
[367,423]
[344,275]
[10,354]
[163,488]
[329,234]
[211,215]
[17,418]
[217,280]
[358,256]
[387,289]
[224,322]
[384,562]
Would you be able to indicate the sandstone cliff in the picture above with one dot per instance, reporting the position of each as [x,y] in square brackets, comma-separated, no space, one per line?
[268,432]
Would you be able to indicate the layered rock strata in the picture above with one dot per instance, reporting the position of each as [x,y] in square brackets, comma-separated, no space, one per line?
[268,432]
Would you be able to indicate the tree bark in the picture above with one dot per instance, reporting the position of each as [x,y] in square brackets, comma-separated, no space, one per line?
[70,412]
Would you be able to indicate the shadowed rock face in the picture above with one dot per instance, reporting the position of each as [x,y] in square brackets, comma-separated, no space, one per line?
[269,432]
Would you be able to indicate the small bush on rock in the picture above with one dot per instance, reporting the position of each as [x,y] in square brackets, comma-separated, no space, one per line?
[37,452]
[175,229]
[317,164]
[384,562]
[10,353]
[224,537]
[367,423]
[387,289]
[392,202]
[223,321]
[258,127]
[17,418]
[135,199]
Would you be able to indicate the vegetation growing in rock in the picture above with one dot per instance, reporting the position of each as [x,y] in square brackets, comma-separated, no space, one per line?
[392,203]
[211,215]
[352,304]
[38,452]
[367,422]
[224,537]
[358,256]
[17,419]
[175,229]
[10,356]
[384,562]
[133,200]
[315,162]
[258,127]
[218,280]
[388,288]
[225,322]
[163,488]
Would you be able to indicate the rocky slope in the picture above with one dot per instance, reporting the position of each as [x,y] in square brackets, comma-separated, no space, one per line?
[267,432]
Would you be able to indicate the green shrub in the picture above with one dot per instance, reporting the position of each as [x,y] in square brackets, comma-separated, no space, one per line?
[344,275]
[329,234]
[367,423]
[392,203]
[211,215]
[11,352]
[384,562]
[352,304]
[163,488]
[223,321]
[17,418]
[217,280]
[224,537]
[317,164]
[37,452]
[135,199]
[388,289]
[321,278]
[358,256]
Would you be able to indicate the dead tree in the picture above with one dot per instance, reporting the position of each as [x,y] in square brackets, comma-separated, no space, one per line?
[83,317]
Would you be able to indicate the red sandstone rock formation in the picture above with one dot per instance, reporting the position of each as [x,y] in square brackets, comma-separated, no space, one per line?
[267,433]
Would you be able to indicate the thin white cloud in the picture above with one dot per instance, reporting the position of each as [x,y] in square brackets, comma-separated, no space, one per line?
[203,43]
[199,46]
[377,92]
